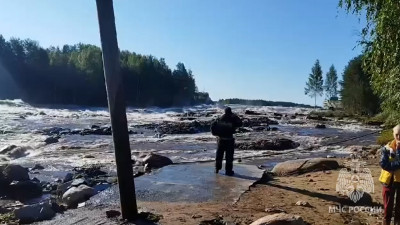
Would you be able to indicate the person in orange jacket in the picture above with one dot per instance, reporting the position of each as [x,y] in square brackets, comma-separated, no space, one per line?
[390,178]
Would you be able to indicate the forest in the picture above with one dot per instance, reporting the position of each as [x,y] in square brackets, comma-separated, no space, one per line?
[73,74]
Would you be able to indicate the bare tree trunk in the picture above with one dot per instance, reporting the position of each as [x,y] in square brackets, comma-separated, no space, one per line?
[315,103]
[117,107]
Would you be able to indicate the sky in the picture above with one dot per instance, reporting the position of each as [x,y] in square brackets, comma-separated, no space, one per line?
[259,49]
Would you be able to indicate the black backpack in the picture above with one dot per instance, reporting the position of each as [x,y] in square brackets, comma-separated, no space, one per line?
[221,128]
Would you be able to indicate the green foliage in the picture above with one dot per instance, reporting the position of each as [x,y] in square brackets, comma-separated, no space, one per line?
[73,74]
[381,42]
[385,137]
[260,103]
[357,95]
[314,85]
[331,83]
[8,218]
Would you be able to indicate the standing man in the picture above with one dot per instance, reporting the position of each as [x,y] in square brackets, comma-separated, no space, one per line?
[224,128]
[390,178]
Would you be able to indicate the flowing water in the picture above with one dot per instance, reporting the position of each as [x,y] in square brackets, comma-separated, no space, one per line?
[21,123]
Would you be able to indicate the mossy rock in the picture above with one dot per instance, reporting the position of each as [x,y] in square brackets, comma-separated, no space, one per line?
[385,137]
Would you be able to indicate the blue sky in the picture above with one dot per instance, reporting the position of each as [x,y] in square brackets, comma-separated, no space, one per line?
[259,49]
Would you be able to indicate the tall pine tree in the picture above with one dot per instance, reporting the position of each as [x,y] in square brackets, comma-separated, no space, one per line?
[314,85]
[331,83]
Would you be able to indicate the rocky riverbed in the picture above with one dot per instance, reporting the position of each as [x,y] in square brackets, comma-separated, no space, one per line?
[68,156]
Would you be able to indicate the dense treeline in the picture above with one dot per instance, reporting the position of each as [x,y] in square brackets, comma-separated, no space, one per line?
[357,94]
[380,39]
[73,74]
[260,103]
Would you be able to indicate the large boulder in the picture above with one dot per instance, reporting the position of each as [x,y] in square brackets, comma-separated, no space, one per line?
[79,181]
[7,149]
[51,140]
[17,152]
[251,112]
[279,219]
[15,173]
[24,190]
[300,166]
[258,121]
[34,213]
[76,195]
[184,127]
[156,161]
[277,144]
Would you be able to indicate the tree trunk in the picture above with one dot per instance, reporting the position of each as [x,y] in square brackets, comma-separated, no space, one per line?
[315,103]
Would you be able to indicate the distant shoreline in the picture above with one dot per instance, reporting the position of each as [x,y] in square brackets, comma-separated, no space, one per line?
[259,102]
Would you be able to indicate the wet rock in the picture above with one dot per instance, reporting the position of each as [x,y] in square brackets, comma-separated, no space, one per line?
[68,177]
[7,149]
[250,112]
[95,127]
[37,167]
[15,173]
[91,171]
[62,188]
[78,182]
[184,127]
[76,195]
[273,128]
[112,180]
[112,213]
[320,126]
[34,213]
[35,180]
[278,219]
[42,113]
[244,130]
[18,152]
[52,131]
[316,117]
[24,190]
[260,128]
[65,132]
[156,161]
[57,208]
[51,140]
[88,157]
[258,121]
[300,166]
[277,144]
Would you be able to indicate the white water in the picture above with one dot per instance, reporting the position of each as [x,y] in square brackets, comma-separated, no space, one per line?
[24,120]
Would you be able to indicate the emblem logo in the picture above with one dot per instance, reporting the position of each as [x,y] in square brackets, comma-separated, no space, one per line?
[355,180]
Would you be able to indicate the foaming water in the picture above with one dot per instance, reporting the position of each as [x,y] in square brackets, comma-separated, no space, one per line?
[21,123]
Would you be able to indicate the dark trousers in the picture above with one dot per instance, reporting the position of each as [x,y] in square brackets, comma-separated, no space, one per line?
[389,195]
[227,146]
